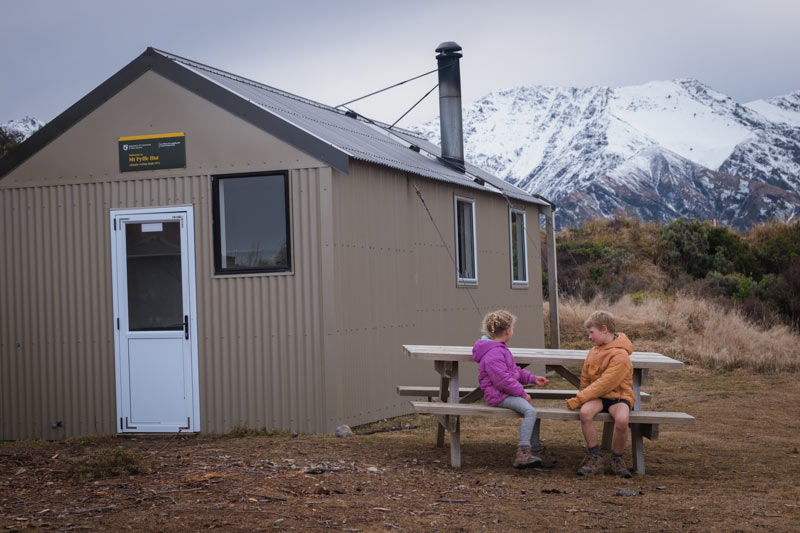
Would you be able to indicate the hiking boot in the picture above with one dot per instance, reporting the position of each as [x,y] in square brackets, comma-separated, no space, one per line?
[548,460]
[525,459]
[592,464]
[618,467]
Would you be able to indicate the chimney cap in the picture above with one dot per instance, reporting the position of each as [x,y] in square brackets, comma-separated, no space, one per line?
[448,47]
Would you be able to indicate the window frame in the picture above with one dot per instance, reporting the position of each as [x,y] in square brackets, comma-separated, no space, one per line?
[466,282]
[518,284]
[216,223]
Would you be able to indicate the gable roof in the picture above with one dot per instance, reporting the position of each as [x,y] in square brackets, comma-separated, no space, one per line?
[330,135]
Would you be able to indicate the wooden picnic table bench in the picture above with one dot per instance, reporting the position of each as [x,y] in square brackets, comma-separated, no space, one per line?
[454,402]
[535,393]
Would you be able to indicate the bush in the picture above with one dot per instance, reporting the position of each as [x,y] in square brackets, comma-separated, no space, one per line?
[776,245]
[698,248]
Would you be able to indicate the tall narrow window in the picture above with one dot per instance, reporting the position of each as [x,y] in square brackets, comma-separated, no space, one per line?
[251,223]
[519,254]
[466,258]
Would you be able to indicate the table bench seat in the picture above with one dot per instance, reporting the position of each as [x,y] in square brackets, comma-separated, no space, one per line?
[643,424]
[535,393]
[548,413]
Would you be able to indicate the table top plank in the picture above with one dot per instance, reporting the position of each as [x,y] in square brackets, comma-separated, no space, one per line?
[547,356]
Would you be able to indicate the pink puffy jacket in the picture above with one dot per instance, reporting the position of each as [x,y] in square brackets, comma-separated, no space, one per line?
[498,375]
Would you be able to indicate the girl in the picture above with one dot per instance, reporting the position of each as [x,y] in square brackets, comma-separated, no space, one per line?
[502,380]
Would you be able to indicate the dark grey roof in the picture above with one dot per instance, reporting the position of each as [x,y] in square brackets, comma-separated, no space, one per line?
[328,134]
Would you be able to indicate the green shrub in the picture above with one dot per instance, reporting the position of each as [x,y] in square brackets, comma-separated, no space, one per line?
[697,248]
[684,247]
[776,245]
[735,286]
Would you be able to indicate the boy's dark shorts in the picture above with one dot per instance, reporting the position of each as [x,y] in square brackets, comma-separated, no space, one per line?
[608,402]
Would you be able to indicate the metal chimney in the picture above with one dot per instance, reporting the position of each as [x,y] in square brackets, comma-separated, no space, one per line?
[450,103]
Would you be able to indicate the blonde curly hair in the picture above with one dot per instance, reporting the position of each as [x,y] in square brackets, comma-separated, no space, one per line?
[496,322]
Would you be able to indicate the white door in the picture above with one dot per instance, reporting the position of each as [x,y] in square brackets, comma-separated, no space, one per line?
[155,333]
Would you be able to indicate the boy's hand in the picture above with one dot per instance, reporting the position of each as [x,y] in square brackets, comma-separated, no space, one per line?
[573,403]
[541,381]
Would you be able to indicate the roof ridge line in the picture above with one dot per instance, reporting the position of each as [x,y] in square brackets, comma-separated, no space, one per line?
[260,85]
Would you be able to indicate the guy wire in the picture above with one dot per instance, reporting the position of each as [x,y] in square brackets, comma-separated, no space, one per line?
[413,106]
[392,86]
[441,237]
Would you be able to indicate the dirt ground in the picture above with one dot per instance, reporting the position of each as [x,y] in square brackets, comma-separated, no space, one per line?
[736,469]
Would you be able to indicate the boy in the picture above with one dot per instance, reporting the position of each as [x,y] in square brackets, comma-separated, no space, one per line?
[606,386]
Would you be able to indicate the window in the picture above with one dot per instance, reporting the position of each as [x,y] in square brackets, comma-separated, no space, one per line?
[466,258]
[519,255]
[251,223]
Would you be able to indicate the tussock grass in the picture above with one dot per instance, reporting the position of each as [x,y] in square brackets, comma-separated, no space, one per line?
[106,462]
[691,329]
[243,431]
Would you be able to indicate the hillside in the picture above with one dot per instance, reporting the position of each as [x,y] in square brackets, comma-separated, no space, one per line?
[755,274]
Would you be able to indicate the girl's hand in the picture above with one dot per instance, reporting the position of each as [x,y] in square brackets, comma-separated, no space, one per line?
[528,398]
[541,381]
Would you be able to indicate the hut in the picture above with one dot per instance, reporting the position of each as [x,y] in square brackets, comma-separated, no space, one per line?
[189,250]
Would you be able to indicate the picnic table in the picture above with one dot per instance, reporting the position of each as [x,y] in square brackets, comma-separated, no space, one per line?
[454,401]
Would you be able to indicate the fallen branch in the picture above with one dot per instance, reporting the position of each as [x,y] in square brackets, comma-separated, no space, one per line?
[91,510]
[383,430]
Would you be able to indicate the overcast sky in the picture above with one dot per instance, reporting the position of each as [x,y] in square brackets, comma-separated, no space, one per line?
[54,52]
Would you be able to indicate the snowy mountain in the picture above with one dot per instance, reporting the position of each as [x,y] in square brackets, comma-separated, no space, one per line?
[657,151]
[26,126]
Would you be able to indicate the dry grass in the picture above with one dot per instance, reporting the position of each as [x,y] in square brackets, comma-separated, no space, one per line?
[736,469]
[106,462]
[691,329]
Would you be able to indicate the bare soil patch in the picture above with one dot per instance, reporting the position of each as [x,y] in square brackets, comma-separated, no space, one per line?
[735,470]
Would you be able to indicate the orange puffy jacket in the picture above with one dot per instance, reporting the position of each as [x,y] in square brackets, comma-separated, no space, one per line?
[608,372]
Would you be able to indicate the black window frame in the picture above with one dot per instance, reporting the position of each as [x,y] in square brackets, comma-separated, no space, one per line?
[215,215]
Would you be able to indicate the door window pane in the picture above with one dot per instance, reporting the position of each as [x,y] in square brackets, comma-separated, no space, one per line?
[251,223]
[155,294]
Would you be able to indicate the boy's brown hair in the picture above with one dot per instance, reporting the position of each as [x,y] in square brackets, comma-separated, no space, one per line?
[598,319]
[497,322]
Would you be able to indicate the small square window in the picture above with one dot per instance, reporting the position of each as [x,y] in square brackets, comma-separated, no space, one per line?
[519,250]
[466,256]
[251,223]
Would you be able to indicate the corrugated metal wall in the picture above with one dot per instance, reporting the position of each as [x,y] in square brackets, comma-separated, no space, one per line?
[395,284]
[257,351]
[56,341]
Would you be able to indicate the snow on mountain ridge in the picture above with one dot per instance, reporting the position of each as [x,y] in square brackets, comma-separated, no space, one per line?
[661,149]
[27,126]
[785,109]
[674,116]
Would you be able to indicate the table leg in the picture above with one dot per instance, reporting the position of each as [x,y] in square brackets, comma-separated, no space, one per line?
[566,374]
[455,436]
[637,441]
[608,435]
[444,384]
[637,448]
[637,384]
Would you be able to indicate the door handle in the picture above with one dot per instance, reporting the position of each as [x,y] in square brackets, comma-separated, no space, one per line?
[186,326]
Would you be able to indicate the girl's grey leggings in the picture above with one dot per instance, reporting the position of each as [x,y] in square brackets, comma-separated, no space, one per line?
[528,412]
